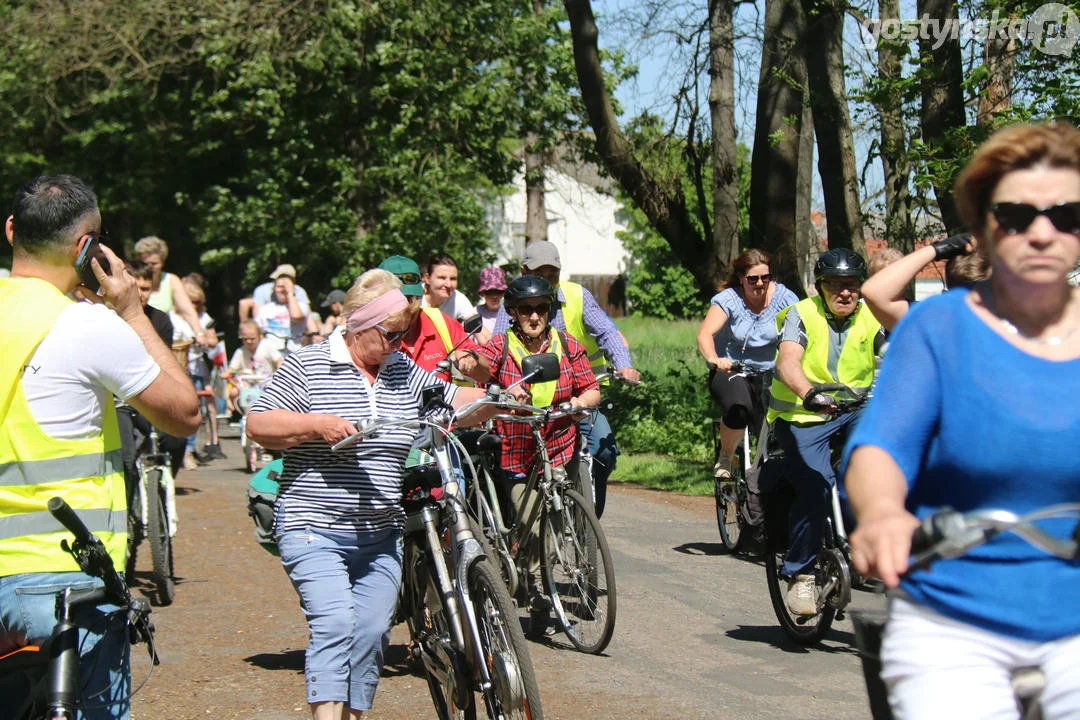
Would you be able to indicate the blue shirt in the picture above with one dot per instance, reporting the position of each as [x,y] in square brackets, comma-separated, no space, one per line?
[748,337]
[596,321]
[974,422]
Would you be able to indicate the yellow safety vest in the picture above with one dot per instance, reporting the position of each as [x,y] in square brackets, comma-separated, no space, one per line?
[855,367]
[34,467]
[438,319]
[573,311]
[543,394]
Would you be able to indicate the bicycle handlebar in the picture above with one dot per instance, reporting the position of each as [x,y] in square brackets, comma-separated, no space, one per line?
[947,533]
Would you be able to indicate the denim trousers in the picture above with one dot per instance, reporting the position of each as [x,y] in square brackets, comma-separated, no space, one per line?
[600,440]
[27,617]
[808,467]
[348,583]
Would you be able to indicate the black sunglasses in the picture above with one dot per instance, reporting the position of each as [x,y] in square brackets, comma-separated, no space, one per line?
[1014,217]
[540,308]
[392,336]
[408,278]
[755,279]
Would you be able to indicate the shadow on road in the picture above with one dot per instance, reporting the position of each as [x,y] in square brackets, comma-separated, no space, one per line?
[836,641]
[701,548]
[397,663]
[288,660]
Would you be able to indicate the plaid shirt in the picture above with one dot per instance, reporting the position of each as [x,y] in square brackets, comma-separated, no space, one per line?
[576,377]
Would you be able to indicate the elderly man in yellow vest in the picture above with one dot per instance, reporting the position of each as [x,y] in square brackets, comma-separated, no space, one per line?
[58,429]
[580,316]
[831,338]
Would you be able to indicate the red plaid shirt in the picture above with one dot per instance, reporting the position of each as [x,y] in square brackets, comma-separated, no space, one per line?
[575,377]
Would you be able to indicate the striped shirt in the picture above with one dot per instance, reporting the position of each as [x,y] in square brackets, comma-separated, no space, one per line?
[358,488]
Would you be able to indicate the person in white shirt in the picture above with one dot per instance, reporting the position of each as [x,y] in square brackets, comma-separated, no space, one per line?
[440,278]
[256,357]
[249,306]
[284,317]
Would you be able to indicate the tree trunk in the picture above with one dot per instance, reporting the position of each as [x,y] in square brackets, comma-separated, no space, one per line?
[807,241]
[535,213]
[942,100]
[895,163]
[999,56]
[668,214]
[722,113]
[774,183]
[824,52]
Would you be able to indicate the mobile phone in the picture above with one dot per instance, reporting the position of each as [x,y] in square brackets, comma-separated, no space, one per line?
[90,249]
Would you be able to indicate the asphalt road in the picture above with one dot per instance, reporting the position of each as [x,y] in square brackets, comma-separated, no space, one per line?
[695,635]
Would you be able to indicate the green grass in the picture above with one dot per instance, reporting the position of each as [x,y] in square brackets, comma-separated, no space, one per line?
[645,333]
[664,472]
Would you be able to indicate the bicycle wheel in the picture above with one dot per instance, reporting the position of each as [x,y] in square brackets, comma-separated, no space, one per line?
[514,694]
[579,573]
[804,630]
[731,497]
[157,532]
[135,532]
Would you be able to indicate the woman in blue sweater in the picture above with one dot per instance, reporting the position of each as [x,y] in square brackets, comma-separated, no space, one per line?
[976,408]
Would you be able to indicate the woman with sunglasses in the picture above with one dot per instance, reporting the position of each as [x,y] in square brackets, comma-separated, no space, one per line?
[975,409]
[530,303]
[338,516]
[741,327]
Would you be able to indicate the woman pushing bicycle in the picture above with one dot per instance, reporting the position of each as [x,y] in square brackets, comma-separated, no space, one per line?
[972,410]
[530,302]
[740,327]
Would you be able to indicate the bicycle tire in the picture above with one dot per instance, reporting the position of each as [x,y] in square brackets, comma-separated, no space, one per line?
[135,533]
[579,573]
[515,692]
[731,498]
[157,533]
[802,630]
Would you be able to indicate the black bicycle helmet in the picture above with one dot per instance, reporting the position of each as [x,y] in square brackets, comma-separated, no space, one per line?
[527,287]
[840,262]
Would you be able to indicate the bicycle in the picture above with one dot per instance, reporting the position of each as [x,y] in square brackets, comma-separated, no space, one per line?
[575,560]
[833,573]
[947,534]
[57,695]
[735,495]
[255,457]
[152,515]
[462,622]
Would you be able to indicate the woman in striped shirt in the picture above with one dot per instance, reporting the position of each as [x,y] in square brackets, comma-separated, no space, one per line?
[338,516]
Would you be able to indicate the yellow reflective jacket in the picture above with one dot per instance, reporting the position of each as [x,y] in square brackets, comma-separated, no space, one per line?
[573,311]
[34,467]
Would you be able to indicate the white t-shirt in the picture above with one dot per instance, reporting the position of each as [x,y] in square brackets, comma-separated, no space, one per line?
[457,306]
[262,362]
[88,356]
[264,293]
[274,320]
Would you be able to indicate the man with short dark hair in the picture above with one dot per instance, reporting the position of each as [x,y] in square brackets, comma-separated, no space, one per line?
[582,317]
[60,364]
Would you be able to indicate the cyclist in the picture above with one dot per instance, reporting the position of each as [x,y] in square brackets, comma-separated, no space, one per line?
[741,327]
[982,383]
[829,338]
[256,356]
[284,316]
[432,334]
[531,303]
[579,315]
[168,293]
[58,429]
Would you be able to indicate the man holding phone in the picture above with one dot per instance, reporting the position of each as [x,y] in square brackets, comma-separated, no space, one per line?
[60,364]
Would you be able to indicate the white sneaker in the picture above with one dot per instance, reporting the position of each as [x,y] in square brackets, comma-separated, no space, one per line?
[800,595]
[722,469]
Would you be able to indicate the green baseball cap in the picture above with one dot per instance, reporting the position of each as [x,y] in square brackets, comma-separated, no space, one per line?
[407,271]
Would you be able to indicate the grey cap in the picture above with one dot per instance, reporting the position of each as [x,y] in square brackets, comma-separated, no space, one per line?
[334,296]
[539,253]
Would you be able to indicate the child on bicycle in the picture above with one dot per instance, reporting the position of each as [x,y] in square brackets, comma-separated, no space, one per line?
[255,358]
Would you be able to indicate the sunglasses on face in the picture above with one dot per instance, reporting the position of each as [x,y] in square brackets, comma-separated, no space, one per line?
[839,287]
[1016,217]
[408,278]
[527,310]
[755,279]
[392,336]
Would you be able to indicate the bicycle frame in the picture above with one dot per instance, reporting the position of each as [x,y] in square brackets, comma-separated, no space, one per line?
[155,459]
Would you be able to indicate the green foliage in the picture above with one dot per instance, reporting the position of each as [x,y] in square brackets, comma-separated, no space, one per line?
[670,413]
[664,472]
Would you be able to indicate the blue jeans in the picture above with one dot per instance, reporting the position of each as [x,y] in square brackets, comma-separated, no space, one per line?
[600,441]
[348,583]
[27,617]
[808,467]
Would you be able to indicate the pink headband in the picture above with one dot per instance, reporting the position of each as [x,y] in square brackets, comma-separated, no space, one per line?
[376,311]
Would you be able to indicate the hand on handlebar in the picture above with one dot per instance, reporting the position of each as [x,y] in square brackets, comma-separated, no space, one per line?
[816,401]
[630,375]
[723,364]
[880,545]
[334,429]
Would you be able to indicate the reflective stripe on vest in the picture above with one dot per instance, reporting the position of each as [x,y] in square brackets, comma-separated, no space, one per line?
[438,319]
[34,467]
[543,394]
[573,312]
[854,367]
